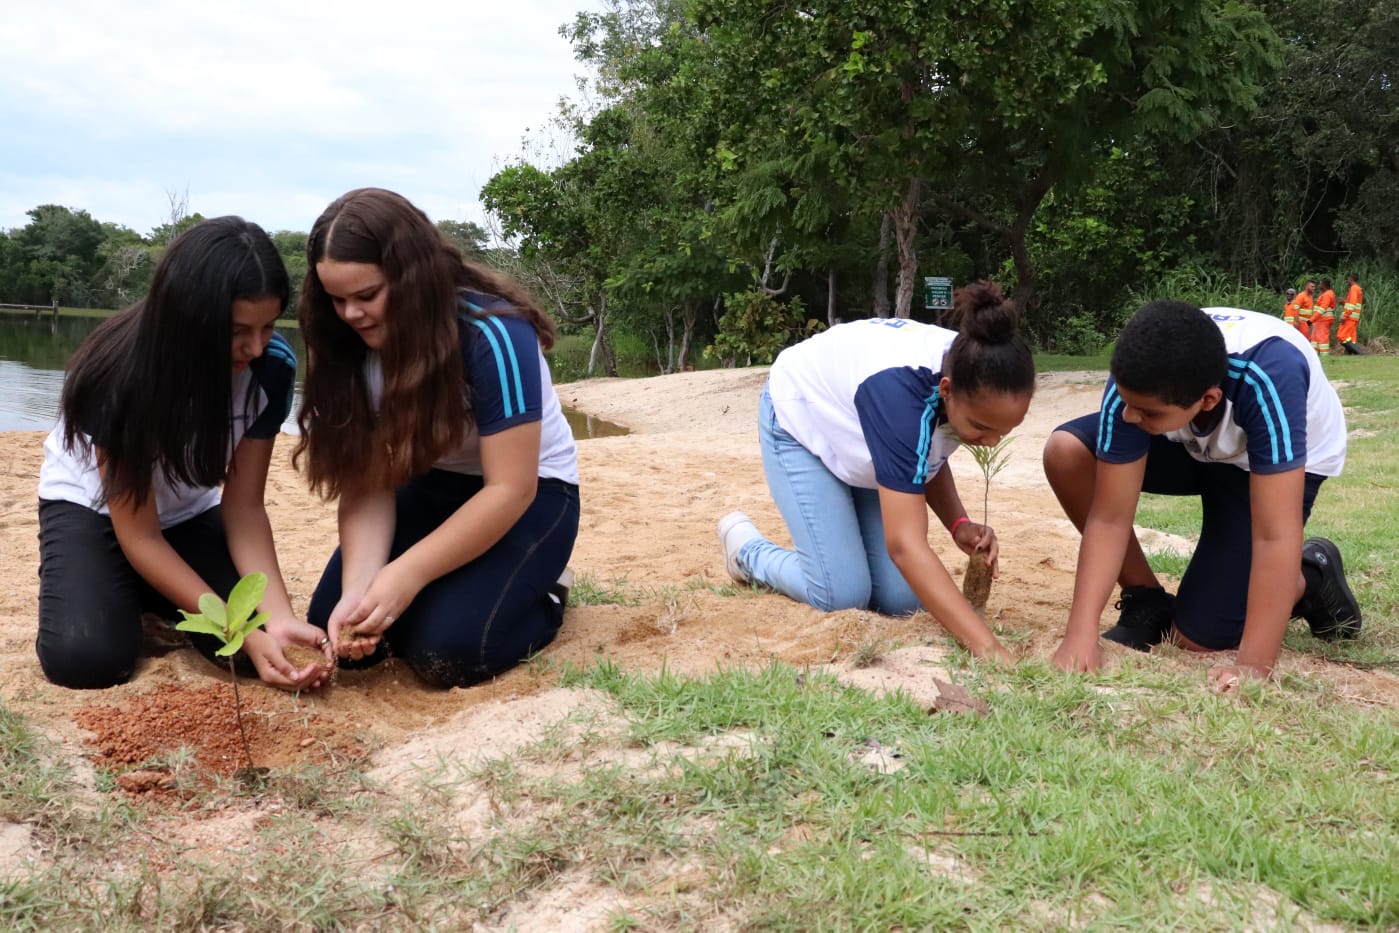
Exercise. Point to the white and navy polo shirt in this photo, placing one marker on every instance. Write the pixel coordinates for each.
(262, 396)
(863, 397)
(1280, 412)
(510, 385)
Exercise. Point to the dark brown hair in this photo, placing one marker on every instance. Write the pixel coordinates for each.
(989, 353)
(152, 387)
(424, 409)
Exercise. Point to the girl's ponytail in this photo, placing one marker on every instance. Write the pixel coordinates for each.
(989, 353)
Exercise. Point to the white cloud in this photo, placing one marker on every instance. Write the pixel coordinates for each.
(270, 109)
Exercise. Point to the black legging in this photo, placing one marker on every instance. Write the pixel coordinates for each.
(1212, 598)
(91, 598)
(486, 616)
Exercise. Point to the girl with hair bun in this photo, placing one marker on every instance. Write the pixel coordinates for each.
(856, 425)
(151, 492)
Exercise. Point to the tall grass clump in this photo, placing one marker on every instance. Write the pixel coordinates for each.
(1206, 288)
(1212, 288)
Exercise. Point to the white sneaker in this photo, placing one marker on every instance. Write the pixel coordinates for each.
(736, 530)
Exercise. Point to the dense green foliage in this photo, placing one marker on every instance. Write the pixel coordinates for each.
(1082, 154)
(66, 255)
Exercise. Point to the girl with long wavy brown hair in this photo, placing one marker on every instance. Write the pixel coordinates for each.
(430, 415)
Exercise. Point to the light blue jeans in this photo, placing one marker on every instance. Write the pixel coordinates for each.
(839, 561)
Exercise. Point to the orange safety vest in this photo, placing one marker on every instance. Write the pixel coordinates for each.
(1289, 311)
(1325, 306)
(1304, 306)
(1355, 302)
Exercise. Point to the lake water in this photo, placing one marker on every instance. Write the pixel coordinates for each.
(33, 352)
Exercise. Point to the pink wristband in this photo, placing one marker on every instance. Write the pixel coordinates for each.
(957, 524)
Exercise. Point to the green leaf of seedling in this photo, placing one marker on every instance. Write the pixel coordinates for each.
(242, 602)
(233, 645)
(212, 608)
(198, 623)
(250, 625)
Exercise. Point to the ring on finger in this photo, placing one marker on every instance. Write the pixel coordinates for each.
(325, 640)
(388, 620)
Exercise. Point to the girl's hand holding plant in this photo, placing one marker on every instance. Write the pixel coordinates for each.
(973, 538)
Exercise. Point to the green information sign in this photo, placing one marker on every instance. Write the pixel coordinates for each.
(937, 293)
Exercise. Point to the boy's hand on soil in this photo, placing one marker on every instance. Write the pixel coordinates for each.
(1078, 654)
(999, 656)
(973, 538)
(1228, 679)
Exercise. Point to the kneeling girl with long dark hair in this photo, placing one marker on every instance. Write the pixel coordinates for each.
(181, 393)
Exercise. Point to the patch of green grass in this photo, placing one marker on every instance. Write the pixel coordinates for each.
(724, 589)
(1112, 801)
(1063, 362)
(1177, 515)
(1170, 562)
(588, 590)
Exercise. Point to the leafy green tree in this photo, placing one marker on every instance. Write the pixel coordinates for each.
(470, 238)
(978, 110)
(291, 246)
(58, 253)
(128, 264)
(1311, 176)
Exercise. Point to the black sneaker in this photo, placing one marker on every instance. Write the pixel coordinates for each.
(1147, 613)
(1328, 604)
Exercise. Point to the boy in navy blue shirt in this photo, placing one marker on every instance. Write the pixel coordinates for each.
(1232, 406)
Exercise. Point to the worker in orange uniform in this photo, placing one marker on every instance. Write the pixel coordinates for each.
(1323, 313)
(1350, 314)
(1289, 308)
(1303, 320)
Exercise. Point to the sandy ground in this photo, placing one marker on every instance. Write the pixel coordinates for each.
(650, 503)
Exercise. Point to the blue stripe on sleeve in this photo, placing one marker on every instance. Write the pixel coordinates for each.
(514, 362)
(500, 365)
(1254, 370)
(1111, 402)
(279, 348)
(925, 437)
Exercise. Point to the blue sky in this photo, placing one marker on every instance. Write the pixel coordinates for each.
(271, 109)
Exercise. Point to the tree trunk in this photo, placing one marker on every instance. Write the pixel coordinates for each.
(1025, 272)
(689, 317)
(905, 217)
(881, 267)
(600, 351)
(832, 319)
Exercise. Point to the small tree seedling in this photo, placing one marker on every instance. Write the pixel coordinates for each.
(231, 624)
(976, 582)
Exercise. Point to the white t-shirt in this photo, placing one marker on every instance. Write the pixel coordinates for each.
(262, 396)
(863, 397)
